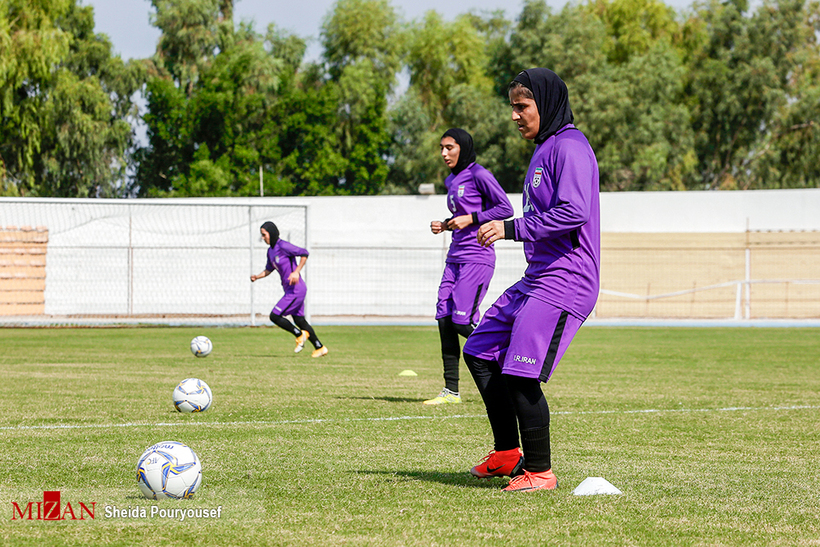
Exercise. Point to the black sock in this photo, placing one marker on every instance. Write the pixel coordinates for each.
(500, 409)
(450, 352)
(284, 324)
(533, 414)
(536, 446)
(305, 326)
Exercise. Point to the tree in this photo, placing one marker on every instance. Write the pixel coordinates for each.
(449, 87)
(210, 136)
(65, 102)
(636, 120)
(305, 116)
(193, 31)
(734, 89)
(788, 154)
(362, 46)
(633, 27)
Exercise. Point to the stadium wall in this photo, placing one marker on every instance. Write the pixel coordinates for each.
(751, 254)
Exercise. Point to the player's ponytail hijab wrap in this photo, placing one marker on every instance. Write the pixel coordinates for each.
(551, 98)
(466, 156)
(271, 228)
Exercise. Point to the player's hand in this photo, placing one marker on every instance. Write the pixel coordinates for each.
(253, 278)
(437, 226)
(293, 278)
(490, 233)
(460, 222)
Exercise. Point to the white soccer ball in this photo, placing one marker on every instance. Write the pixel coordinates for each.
(192, 395)
(201, 346)
(169, 469)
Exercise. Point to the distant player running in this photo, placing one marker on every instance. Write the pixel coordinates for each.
(282, 258)
(473, 197)
(523, 336)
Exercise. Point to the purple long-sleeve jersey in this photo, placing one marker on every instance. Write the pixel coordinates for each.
(561, 226)
(282, 259)
(474, 190)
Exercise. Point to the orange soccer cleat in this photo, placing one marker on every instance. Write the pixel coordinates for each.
(544, 480)
(300, 341)
(499, 464)
(321, 352)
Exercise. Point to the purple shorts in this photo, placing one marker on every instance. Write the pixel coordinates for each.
(461, 291)
(293, 302)
(527, 337)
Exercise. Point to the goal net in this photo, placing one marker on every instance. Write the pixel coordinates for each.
(146, 258)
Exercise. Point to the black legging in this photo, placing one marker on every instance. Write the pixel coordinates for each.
(304, 325)
(514, 403)
(296, 330)
(451, 349)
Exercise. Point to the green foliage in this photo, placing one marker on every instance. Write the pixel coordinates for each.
(65, 102)
(192, 33)
(450, 86)
(362, 45)
(208, 104)
(358, 30)
(633, 27)
(718, 96)
(636, 122)
(311, 157)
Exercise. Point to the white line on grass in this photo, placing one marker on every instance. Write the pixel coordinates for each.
(394, 418)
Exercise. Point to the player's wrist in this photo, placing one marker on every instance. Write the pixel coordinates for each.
(509, 229)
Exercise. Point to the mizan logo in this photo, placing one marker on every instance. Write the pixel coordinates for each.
(51, 509)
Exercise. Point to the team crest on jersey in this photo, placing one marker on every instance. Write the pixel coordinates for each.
(536, 178)
(461, 191)
(276, 259)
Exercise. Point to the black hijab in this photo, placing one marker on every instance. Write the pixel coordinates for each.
(551, 98)
(465, 142)
(271, 228)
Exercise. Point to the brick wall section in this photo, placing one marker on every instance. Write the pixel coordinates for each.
(23, 270)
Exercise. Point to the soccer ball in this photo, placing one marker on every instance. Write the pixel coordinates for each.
(169, 469)
(201, 346)
(192, 395)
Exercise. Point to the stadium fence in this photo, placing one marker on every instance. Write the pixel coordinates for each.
(188, 261)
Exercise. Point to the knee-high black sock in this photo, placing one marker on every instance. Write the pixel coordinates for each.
(284, 324)
(302, 323)
(533, 414)
(500, 409)
(450, 352)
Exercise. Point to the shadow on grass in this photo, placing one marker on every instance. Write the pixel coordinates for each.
(388, 399)
(463, 479)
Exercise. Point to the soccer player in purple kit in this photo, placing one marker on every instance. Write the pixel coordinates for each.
(473, 197)
(523, 336)
(282, 259)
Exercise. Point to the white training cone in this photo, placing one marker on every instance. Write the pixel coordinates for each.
(591, 486)
(407, 373)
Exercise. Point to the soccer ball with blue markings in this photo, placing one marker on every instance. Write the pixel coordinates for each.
(201, 346)
(192, 395)
(169, 469)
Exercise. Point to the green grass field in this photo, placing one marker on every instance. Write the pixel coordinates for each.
(713, 435)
